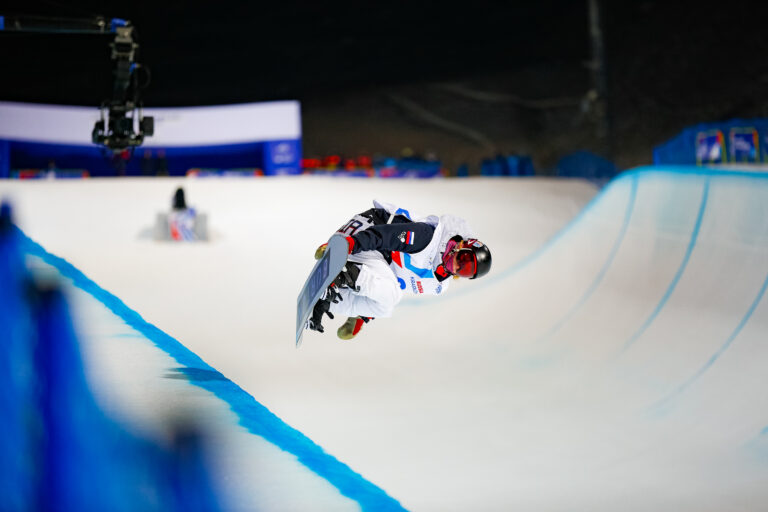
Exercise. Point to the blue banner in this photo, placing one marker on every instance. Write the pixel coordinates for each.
(733, 141)
(173, 161)
(282, 157)
(744, 144)
(710, 147)
(5, 158)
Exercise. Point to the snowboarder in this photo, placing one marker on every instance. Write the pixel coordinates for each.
(392, 252)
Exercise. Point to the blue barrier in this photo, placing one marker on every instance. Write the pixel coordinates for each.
(733, 141)
(16, 476)
(510, 165)
(584, 164)
(76, 447)
(170, 161)
(274, 157)
(58, 450)
(5, 159)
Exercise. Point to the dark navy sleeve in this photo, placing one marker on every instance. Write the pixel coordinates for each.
(409, 237)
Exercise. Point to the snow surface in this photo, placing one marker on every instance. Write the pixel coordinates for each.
(618, 363)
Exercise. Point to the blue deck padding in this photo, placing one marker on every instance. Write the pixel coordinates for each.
(58, 450)
(78, 444)
(16, 468)
(98, 161)
(5, 159)
(584, 164)
(509, 165)
(87, 461)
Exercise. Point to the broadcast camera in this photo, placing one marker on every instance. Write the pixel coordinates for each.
(122, 124)
(120, 116)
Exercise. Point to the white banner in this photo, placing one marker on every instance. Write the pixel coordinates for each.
(185, 126)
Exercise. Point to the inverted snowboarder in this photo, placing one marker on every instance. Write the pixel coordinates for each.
(391, 253)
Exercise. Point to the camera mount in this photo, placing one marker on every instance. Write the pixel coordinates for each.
(120, 115)
(122, 124)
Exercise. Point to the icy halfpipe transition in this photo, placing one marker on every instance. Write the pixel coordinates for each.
(620, 366)
(634, 350)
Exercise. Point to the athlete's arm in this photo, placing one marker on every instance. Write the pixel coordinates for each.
(409, 237)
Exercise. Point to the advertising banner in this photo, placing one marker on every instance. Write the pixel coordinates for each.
(282, 157)
(710, 147)
(744, 145)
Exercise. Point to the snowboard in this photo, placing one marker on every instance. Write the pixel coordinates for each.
(322, 275)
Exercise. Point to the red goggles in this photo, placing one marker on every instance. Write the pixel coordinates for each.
(466, 263)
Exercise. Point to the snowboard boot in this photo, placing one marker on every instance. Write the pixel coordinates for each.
(352, 326)
(347, 278)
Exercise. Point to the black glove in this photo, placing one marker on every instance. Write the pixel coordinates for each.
(322, 306)
(347, 278)
(315, 321)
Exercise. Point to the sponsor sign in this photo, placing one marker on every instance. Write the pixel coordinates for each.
(710, 147)
(282, 157)
(744, 145)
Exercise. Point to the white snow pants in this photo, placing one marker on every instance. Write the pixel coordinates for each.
(379, 290)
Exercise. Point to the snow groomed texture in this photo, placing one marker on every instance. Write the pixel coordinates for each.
(629, 352)
(648, 344)
(618, 363)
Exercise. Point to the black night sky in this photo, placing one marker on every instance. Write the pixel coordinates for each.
(669, 64)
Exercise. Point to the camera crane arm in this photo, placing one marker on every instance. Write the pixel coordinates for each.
(115, 129)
